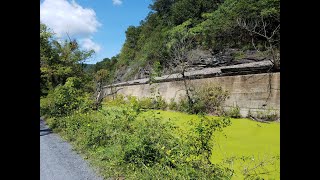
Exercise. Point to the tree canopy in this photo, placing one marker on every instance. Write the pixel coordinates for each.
(59, 60)
(213, 24)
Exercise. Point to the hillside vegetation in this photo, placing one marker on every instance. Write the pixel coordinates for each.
(212, 27)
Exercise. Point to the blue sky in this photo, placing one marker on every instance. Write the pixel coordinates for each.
(96, 24)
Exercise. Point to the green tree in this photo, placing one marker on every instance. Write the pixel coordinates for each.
(47, 57)
(183, 10)
(101, 76)
(64, 99)
(65, 86)
(224, 28)
(58, 61)
(214, 24)
(181, 42)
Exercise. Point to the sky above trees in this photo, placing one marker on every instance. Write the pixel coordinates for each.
(98, 25)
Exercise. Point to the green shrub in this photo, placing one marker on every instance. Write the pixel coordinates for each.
(124, 143)
(160, 103)
(199, 142)
(183, 105)
(63, 100)
(116, 100)
(173, 105)
(134, 103)
(147, 145)
(269, 115)
(205, 99)
(233, 112)
(146, 103)
(52, 122)
(209, 98)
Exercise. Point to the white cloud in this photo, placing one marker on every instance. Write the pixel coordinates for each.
(88, 44)
(117, 2)
(63, 16)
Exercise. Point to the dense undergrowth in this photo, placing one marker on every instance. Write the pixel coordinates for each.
(123, 143)
(125, 138)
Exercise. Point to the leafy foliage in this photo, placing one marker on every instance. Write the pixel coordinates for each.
(233, 112)
(213, 25)
(123, 142)
(269, 115)
(65, 99)
(64, 85)
(207, 98)
(59, 61)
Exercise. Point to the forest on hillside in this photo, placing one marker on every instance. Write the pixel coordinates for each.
(176, 34)
(233, 28)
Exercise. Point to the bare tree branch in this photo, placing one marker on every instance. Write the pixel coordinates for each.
(274, 31)
(264, 27)
(251, 27)
(244, 25)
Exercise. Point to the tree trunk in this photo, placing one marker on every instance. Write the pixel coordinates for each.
(190, 103)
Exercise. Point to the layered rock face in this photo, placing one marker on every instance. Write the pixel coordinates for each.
(197, 59)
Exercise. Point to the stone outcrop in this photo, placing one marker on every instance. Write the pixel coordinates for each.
(201, 60)
(239, 69)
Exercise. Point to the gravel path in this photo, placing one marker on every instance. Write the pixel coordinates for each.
(58, 161)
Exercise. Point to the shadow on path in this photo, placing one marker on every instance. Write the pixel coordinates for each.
(44, 130)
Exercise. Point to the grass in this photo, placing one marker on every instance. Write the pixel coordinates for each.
(247, 146)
